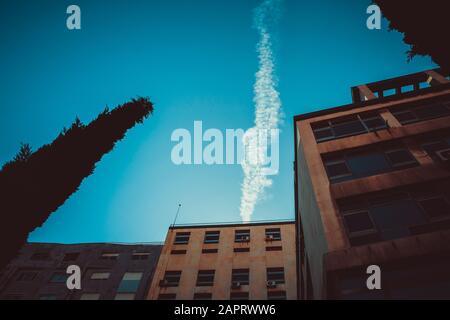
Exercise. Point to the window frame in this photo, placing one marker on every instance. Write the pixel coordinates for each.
(241, 235)
(125, 284)
(236, 273)
(273, 274)
(182, 238)
(329, 125)
(214, 234)
(274, 232)
(356, 234)
(412, 162)
(171, 278)
(413, 110)
(205, 278)
(420, 199)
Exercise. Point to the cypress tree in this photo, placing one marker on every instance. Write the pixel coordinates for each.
(35, 184)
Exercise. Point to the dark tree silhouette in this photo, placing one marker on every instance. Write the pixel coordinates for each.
(424, 25)
(33, 185)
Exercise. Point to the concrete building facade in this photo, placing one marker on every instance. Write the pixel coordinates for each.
(372, 187)
(108, 271)
(227, 261)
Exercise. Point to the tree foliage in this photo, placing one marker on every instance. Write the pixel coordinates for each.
(35, 184)
(424, 25)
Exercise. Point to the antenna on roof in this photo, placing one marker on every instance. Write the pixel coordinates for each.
(176, 216)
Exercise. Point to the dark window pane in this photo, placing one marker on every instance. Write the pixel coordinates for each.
(405, 117)
(348, 128)
(337, 169)
(433, 146)
(357, 222)
(323, 134)
(240, 275)
(435, 207)
(366, 164)
(205, 278)
(375, 123)
(400, 157)
(212, 237)
(242, 236)
(202, 296)
(171, 279)
(275, 274)
(273, 234)
(432, 111)
(182, 238)
(394, 219)
(320, 125)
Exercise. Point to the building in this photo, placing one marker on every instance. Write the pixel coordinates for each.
(109, 271)
(372, 187)
(227, 261)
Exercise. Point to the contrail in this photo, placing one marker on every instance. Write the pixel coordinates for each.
(267, 110)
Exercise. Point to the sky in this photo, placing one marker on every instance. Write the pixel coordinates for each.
(196, 60)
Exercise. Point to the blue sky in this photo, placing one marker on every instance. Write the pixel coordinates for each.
(196, 60)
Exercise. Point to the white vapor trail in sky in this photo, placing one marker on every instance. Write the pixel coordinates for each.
(267, 110)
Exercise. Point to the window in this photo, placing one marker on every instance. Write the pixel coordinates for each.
(276, 295)
(359, 222)
(130, 282)
(337, 169)
(396, 214)
(40, 256)
(182, 238)
(72, 256)
(59, 277)
(26, 275)
(276, 275)
(373, 121)
(411, 114)
(167, 296)
(240, 276)
(202, 296)
(205, 278)
(209, 250)
(366, 162)
(140, 256)
(347, 126)
(90, 296)
(241, 249)
(171, 279)
(47, 297)
(433, 145)
(273, 234)
(435, 207)
(212, 237)
(242, 236)
(238, 295)
(178, 252)
(124, 296)
(109, 256)
(400, 158)
(274, 248)
(100, 275)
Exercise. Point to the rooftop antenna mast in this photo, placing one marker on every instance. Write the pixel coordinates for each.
(176, 216)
